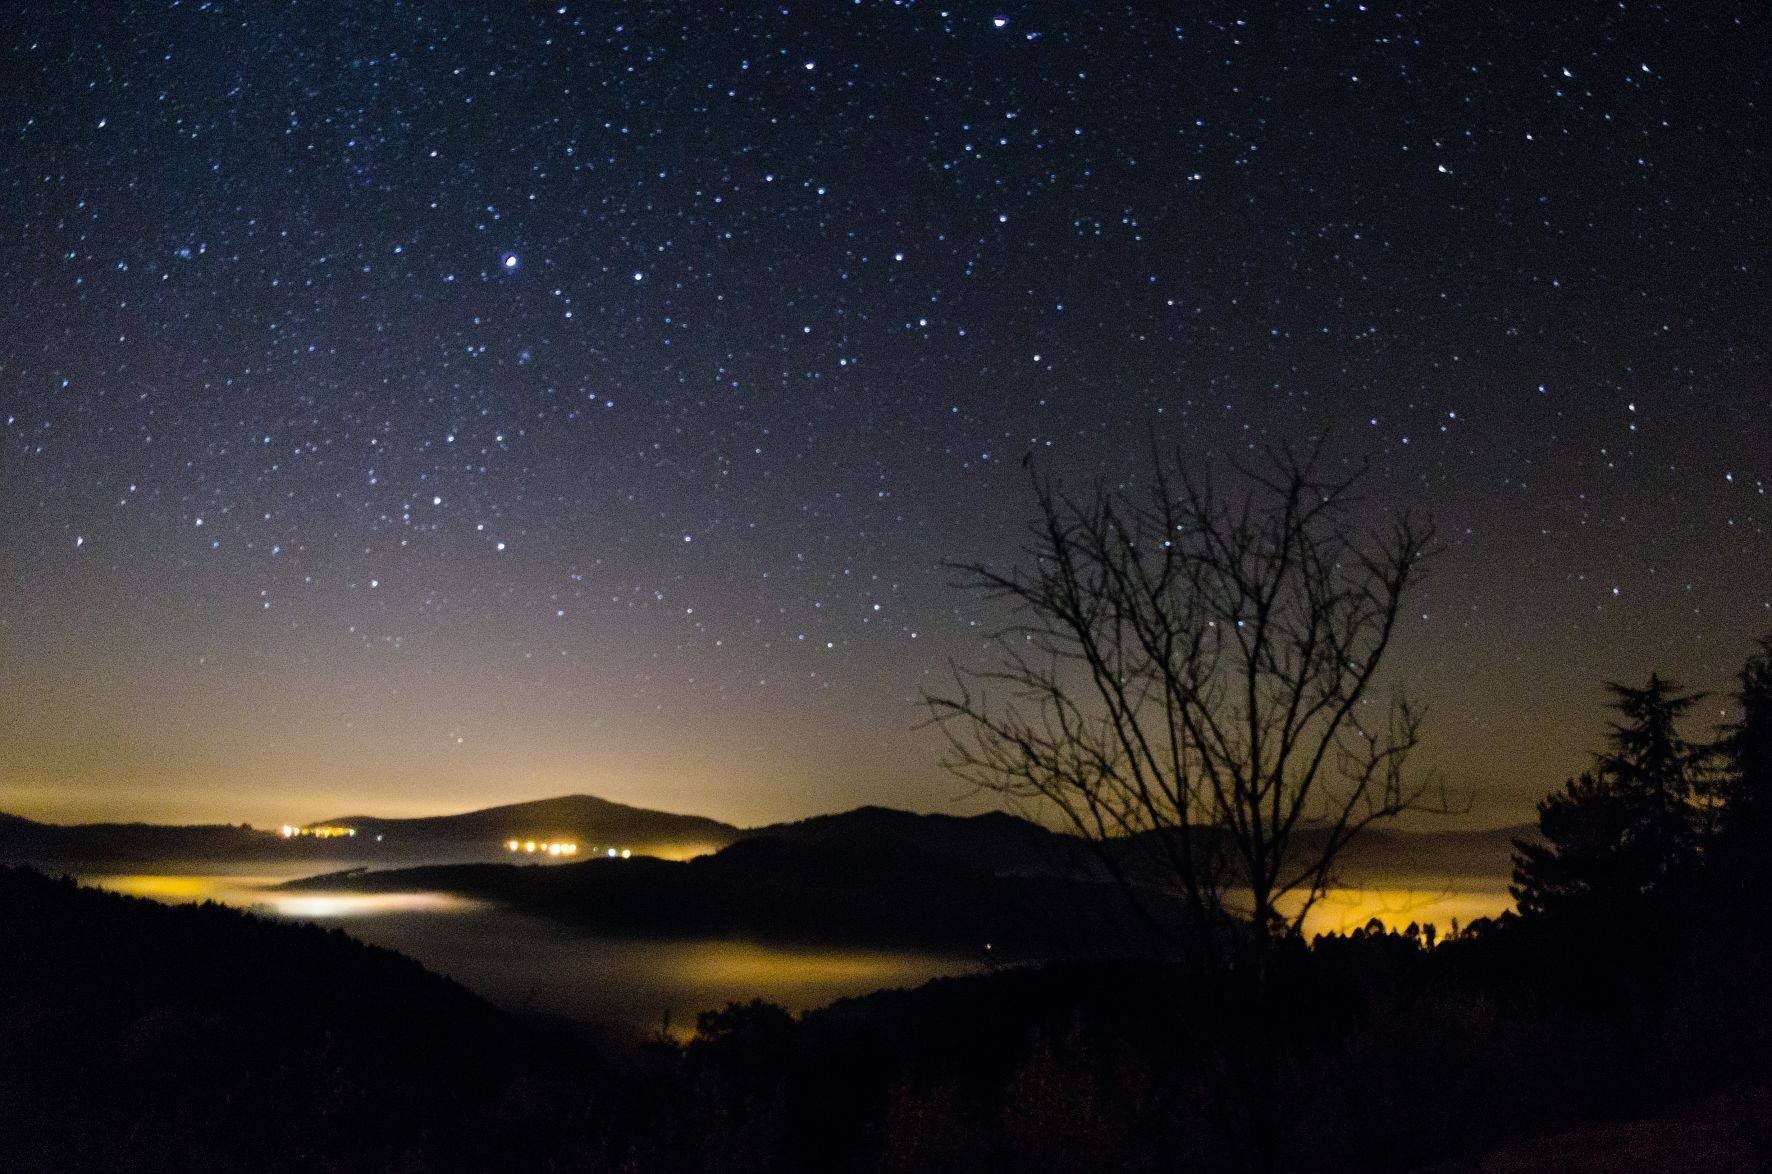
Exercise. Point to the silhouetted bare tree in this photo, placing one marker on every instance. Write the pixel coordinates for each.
(1187, 676)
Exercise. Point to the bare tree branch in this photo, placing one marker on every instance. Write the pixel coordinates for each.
(1187, 679)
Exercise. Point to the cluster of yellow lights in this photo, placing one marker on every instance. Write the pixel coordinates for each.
(546, 847)
(559, 848)
(321, 832)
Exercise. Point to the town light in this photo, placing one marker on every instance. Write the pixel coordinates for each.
(554, 848)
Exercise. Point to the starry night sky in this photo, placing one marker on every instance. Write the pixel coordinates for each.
(412, 406)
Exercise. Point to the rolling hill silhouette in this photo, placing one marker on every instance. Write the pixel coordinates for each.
(583, 819)
(26, 840)
(995, 841)
(994, 845)
(146, 1037)
(845, 882)
(473, 835)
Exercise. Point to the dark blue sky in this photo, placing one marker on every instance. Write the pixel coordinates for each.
(408, 406)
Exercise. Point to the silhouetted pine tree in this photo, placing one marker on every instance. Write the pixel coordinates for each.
(1746, 791)
(1626, 834)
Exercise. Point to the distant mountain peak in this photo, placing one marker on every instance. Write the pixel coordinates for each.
(556, 805)
(587, 822)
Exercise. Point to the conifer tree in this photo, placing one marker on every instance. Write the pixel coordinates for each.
(1626, 834)
(1746, 791)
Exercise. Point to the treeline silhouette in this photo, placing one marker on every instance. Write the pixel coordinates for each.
(1631, 982)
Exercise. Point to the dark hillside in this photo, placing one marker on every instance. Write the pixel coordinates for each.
(996, 841)
(26, 840)
(854, 887)
(585, 819)
(140, 1036)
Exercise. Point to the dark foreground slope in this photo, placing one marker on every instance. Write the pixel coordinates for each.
(140, 1036)
(855, 888)
(137, 1036)
(1382, 1054)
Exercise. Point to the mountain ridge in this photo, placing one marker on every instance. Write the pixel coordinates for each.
(1000, 842)
(586, 820)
